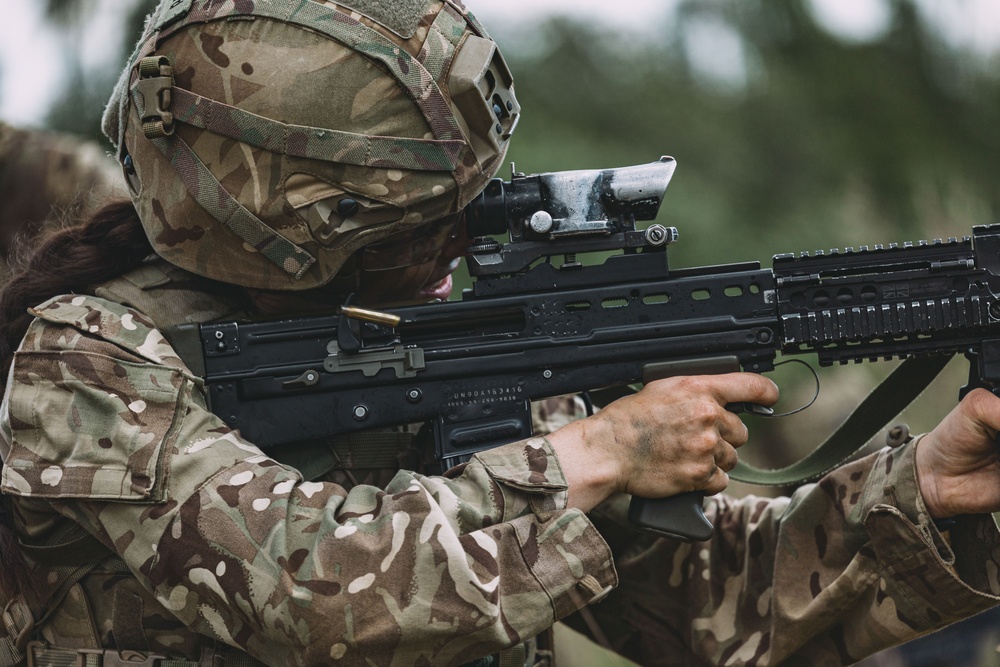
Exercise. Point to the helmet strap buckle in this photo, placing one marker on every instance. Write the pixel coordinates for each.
(155, 85)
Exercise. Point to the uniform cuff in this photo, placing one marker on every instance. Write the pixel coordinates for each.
(530, 465)
(936, 581)
(566, 554)
(528, 476)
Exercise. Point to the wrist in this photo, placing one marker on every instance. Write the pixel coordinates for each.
(927, 481)
(592, 472)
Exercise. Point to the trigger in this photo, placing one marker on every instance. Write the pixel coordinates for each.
(751, 408)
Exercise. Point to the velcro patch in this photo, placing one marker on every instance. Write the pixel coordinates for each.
(400, 16)
(170, 11)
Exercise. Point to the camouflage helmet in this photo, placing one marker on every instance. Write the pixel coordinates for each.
(267, 141)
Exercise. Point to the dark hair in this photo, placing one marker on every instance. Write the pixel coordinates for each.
(62, 261)
(67, 260)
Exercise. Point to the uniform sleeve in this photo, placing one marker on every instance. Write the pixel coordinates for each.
(842, 569)
(429, 570)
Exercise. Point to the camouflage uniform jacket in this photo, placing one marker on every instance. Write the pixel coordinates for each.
(103, 427)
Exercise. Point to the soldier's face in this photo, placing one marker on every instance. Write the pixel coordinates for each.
(423, 267)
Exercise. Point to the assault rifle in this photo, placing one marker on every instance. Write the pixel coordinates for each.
(531, 327)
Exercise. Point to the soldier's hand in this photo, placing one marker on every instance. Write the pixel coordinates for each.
(675, 435)
(958, 463)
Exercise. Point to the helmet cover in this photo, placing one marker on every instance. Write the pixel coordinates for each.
(266, 142)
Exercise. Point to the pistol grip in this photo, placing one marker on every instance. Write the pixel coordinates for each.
(680, 517)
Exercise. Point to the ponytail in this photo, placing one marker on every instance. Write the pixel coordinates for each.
(68, 260)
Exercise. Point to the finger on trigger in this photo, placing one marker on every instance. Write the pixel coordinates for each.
(746, 388)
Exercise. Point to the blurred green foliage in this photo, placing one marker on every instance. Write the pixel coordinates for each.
(826, 144)
(79, 108)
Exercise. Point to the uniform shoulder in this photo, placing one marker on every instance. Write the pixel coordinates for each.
(170, 295)
(92, 395)
(107, 320)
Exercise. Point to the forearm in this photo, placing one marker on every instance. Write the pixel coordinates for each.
(846, 567)
(429, 568)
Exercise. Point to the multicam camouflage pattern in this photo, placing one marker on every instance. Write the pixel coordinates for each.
(49, 179)
(839, 570)
(228, 544)
(283, 113)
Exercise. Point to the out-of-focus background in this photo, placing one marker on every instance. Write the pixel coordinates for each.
(797, 125)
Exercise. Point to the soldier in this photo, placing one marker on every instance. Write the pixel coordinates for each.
(49, 178)
(279, 156)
